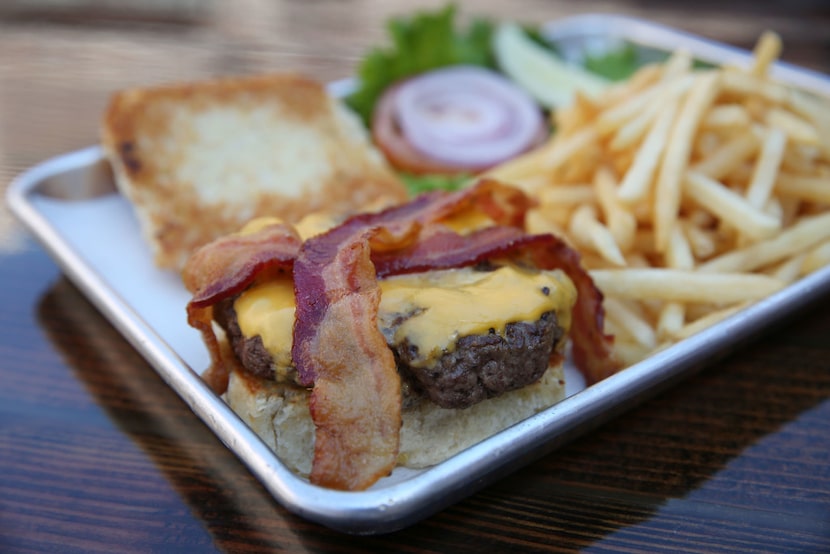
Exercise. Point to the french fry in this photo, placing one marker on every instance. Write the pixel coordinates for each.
(709, 320)
(536, 222)
(790, 209)
(809, 108)
(592, 260)
(789, 270)
(814, 189)
(642, 79)
(636, 259)
(637, 181)
(589, 232)
(643, 242)
(707, 142)
(767, 50)
(568, 148)
(546, 159)
(671, 320)
(580, 168)
(620, 221)
(701, 218)
(816, 258)
(583, 109)
(741, 84)
(613, 118)
(806, 233)
(803, 158)
(730, 207)
(727, 116)
(676, 158)
(796, 129)
(630, 324)
(679, 253)
(633, 130)
(568, 195)
(679, 63)
(775, 208)
(676, 285)
(678, 256)
(766, 168)
(558, 214)
(730, 156)
(703, 242)
(523, 170)
(629, 352)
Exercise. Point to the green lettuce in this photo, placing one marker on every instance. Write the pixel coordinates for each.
(615, 65)
(419, 184)
(424, 41)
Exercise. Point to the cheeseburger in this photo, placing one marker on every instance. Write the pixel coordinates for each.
(397, 337)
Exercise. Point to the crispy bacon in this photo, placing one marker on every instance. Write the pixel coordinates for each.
(337, 346)
(446, 249)
(225, 267)
(592, 349)
(356, 400)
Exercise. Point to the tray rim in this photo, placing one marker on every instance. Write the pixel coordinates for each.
(664, 37)
(398, 505)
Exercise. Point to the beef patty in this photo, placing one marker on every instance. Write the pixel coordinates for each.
(478, 367)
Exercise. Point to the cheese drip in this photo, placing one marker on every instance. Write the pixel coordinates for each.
(441, 307)
(431, 310)
(309, 226)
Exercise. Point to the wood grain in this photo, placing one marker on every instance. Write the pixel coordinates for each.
(97, 454)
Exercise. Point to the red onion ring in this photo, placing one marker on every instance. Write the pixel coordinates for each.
(466, 117)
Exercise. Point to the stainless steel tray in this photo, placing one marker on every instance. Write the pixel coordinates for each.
(72, 207)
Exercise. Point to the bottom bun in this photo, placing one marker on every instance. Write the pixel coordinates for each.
(429, 435)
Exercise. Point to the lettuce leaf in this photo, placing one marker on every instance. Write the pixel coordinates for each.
(616, 65)
(424, 41)
(418, 184)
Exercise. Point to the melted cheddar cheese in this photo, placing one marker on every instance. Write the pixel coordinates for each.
(430, 310)
(309, 226)
(444, 306)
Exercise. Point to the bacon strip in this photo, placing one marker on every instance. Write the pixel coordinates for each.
(226, 267)
(592, 349)
(356, 400)
(447, 249)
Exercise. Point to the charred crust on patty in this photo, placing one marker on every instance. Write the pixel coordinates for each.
(485, 365)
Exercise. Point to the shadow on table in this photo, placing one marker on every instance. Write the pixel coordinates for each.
(618, 476)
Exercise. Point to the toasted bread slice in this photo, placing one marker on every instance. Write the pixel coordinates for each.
(199, 160)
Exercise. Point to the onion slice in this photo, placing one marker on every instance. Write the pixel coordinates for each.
(459, 118)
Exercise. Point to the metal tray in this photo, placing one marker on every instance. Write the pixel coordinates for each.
(70, 204)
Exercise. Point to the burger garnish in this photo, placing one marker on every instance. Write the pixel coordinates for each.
(339, 349)
(461, 119)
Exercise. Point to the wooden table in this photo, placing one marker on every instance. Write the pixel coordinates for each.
(97, 454)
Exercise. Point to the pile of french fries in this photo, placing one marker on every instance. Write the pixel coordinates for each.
(690, 193)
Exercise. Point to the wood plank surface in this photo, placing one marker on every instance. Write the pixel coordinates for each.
(98, 454)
